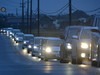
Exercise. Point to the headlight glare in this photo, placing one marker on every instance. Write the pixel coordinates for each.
(29, 46)
(35, 47)
(84, 45)
(83, 55)
(24, 42)
(48, 50)
(69, 46)
(17, 39)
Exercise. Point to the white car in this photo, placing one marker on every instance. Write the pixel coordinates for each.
(26, 39)
(35, 46)
(14, 32)
(52, 49)
(95, 48)
(42, 47)
(76, 44)
(9, 31)
(19, 37)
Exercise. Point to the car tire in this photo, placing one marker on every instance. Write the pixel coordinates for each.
(61, 60)
(73, 61)
(46, 59)
(93, 63)
(22, 47)
(42, 58)
(28, 51)
(79, 60)
(16, 42)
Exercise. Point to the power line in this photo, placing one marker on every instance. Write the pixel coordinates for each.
(63, 9)
(55, 11)
(87, 11)
(93, 10)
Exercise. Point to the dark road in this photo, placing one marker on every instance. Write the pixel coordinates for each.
(13, 63)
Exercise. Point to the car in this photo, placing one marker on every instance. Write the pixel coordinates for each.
(9, 29)
(95, 48)
(14, 31)
(75, 44)
(19, 37)
(42, 47)
(35, 46)
(52, 49)
(4, 30)
(26, 39)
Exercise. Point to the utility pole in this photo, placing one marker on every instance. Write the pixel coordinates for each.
(38, 19)
(70, 12)
(17, 16)
(23, 28)
(27, 14)
(30, 16)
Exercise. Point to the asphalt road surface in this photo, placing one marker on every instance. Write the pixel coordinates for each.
(16, 61)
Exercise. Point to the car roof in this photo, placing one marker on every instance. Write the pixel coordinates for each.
(19, 33)
(39, 37)
(50, 38)
(28, 35)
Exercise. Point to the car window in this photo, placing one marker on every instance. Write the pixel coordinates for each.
(28, 37)
(44, 41)
(20, 35)
(53, 43)
(86, 34)
(36, 41)
(73, 31)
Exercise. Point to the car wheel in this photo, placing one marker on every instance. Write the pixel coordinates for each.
(41, 58)
(79, 60)
(73, 61)
(46, 59)
(61, 60)
(28, 51)
(94, 63)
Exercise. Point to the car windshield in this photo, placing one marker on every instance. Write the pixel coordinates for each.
(28, 37)
(16, 32)
(86, 34)
(20, 35)
(73, 31)
(44, 41)
(37, 40)
(53, 42)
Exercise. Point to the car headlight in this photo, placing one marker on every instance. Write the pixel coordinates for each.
(84, 45)
(10, 32)
(83, 55)
(48, 50)
(35, 47)
(29, 46)
(69, 46)
(17, 39)
(4, 30)
(24, 42)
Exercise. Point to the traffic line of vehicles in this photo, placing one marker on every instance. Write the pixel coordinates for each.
(76, 44)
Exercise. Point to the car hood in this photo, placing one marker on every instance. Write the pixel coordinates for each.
(55, 48)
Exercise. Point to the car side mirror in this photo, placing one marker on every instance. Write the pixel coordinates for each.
(75, 37)
(62, 37)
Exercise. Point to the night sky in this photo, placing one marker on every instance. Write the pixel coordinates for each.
(49, 6)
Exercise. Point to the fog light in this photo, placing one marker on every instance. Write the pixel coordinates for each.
(83, 55)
